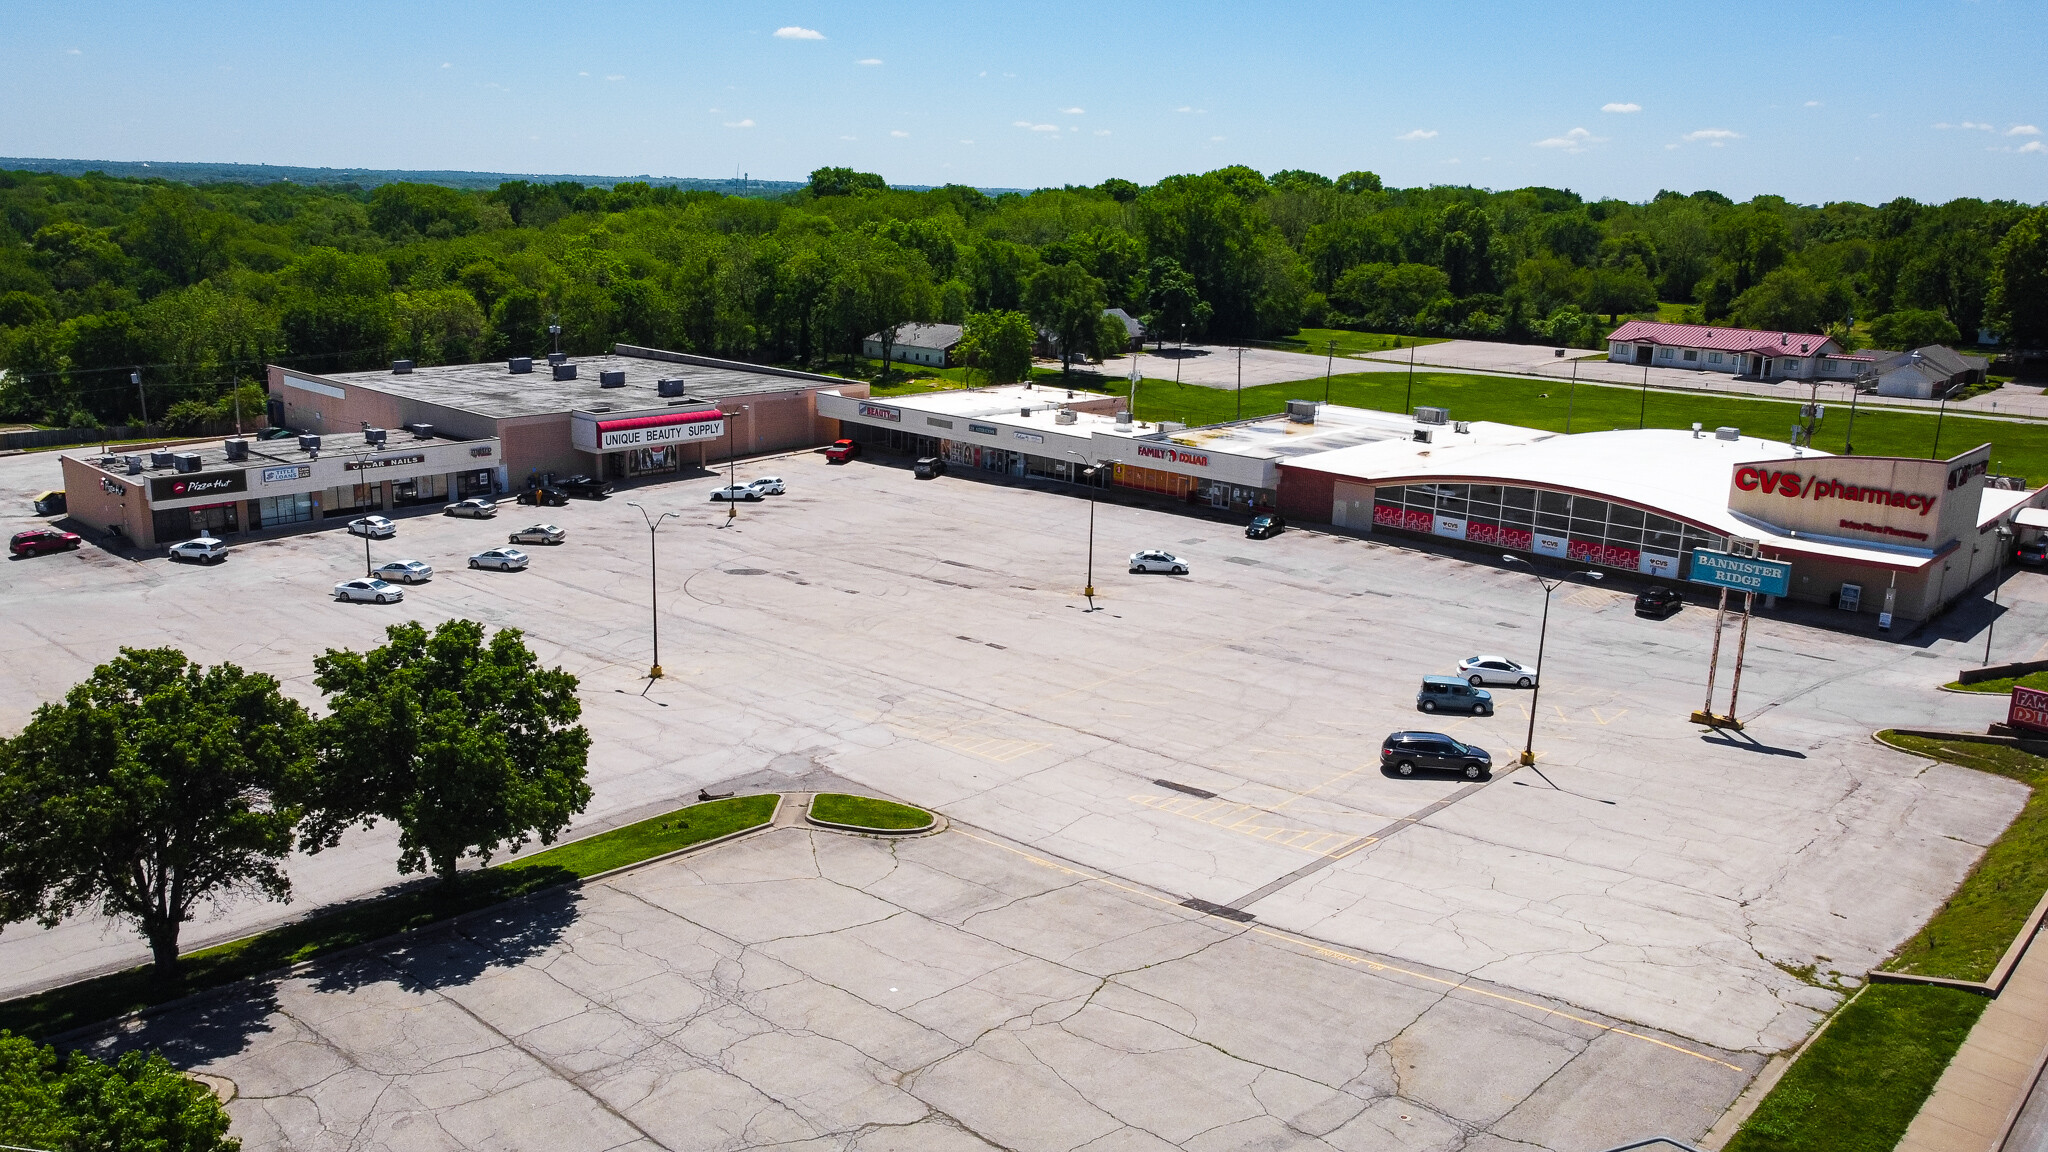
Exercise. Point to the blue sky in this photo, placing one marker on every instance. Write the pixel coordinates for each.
(1816, 101)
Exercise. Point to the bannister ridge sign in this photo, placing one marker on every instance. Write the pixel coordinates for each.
(2029, 709)
(196, 484)
(1740, 573)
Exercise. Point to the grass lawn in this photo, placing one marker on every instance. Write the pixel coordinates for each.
(2003, 685)
(1316, 341)
(2017, 448)
(1860, 1084)
(866, 812)
(324, 933)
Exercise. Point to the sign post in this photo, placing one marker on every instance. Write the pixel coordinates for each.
(1752, 577)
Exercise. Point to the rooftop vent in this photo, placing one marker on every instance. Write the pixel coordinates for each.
(558, 358)
(1024, 411)
(1301, 411)
(1432, 415)
(159, 459)
(421, 431)
(519, 365)
(673, 386)
(401, 367)
(1464, 427)
(612, 378)
(1730, 434)
(1066, 416)
(133, 464)
(599, 408)
(565, 371)
(189, 461)
(236, 449)
(373, 436)
(309, 443)
(1422, 436)
(1124, 418)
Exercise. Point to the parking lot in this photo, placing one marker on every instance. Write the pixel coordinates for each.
(928, 640)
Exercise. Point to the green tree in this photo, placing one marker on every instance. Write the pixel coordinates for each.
(154, 785)
(138, 1102)
(1173, 303)
(401, 210)
(1392, 297)
(1110, 337)
(1066, 301)
(845, 182)
(1791, 300)
(1356, 182)
(998, 343)
(1618, 290)
(467, 746)
(2017, 305)
(1911, 328)
(439, 325)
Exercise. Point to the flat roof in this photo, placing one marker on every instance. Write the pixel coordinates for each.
(493, 390)
(1280, 437)
(284, 450)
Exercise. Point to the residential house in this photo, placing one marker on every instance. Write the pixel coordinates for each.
(928, 344)
(1925, 373)
(1738, 351)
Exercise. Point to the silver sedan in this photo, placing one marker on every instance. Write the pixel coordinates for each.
(366, 589)
(503, 559)
(404, 571)
(539, 534)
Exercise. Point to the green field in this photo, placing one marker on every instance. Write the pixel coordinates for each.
(325, 933)
(1316, 341)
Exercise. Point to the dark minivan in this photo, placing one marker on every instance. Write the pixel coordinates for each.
(1404, 752)
(1450, 694)
(1265, 524)
(928, 467)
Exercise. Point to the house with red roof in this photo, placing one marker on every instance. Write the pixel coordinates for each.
(1745, 352)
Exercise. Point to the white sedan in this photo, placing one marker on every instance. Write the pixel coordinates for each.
(375, 527)
(404, 571)
(767, 485)
(1156, 561)
(539, 534)
(1496, 670)
(474, 509)
(367, 589)
(503, 559)
(737, 492)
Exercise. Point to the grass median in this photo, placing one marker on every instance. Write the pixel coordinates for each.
(867, 812)
(1860, 1084)
(331, 931)
(2003, 685)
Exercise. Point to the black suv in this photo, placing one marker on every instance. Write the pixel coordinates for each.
(1265, 524)
(583, 487)
(542, 494)
(2033, 554)
(1659, 602)
(1404, 752)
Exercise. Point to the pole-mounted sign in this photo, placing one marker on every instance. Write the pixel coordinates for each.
(1741, 573)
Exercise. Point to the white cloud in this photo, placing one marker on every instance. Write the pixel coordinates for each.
(1417, 134)
(898, 133)
(445, 64)
(967, 141)
(849, 137)
(1215, 139)
(1036, 127)
(739, 123)
(795, 33)
(1073, 111)
(1621, 107)
(1715, 137)
(1102, 131)
(2034, 146)
(1967, 125)
(1575, 140)
(73, 52)
(870, 62)
(615, 77)
(586, 74)
(1813, 103)
(2023, 130)
(1182, 108)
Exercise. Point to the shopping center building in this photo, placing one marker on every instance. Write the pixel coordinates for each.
(635, 412)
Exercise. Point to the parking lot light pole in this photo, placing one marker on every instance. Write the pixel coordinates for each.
(1091, 472)
(1542, 634)
(654, 585)
(732, 472)
(2004, 537)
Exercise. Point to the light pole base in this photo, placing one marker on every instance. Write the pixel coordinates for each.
(1526, 759)
(654, 673)
(1713, 721)
(1089, 592)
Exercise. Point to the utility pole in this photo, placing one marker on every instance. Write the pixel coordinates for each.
(1643, 410)
(1408, 403)
(1240, 381)
(135, 378)
(1571, 395)
(1329, 363)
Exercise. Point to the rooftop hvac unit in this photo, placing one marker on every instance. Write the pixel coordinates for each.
(1024, 411)
(236, 449)
(1462, 426)
(373, 436)
(1065, 416)
(612, 378)
(519, 365)
(133, 464)
(1432, 415)
(401, 367)
(673, 386)
(159, 459)
(1124, 418)
(1422, 436)
(422, 431)
(565, 371)
(558, 358)
(1727, 433)
(189, 461)
(309, 443)
(1301, 411)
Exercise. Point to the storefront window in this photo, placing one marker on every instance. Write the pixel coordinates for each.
(276, 511)
(1582, 529)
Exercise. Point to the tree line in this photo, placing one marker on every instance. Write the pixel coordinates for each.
(202, 285)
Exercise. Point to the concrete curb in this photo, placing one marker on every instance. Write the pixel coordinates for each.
(933, 826)
(1774, 1070)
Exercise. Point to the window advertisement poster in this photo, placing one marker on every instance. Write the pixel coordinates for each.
(1450, 526)
(1544, 544)
(1658, 564)
(2029, 709)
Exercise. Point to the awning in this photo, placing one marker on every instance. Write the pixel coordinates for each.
(604, 426)
(2032, 518)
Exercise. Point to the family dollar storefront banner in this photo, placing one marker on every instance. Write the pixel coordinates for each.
(2029, 709)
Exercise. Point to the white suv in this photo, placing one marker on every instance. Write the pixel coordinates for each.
(767, 485)
(204, 550)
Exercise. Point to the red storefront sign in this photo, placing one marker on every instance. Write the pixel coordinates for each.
(1409, 518)
(2029, 709)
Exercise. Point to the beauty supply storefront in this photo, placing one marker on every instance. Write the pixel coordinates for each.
(648, 443)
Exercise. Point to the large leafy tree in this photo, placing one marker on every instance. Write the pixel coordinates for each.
(468, 745)
(1910, 328)
(2018, 303)
(139, 1101)
(153, 785)
(998, 343)
(1065, 300)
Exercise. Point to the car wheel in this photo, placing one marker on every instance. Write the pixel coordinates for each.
(383, 599)
(1476, 679)
(338, 596)
(1472, 772)
(1429, 705)
(1484, 710)
(1136, 571)
(1524, 682)
(1405, 768)
(1180, 571)
(474, 564)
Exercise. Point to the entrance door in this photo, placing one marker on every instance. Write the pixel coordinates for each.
(1642, 354)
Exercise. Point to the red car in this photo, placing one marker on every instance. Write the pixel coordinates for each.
(37, 541)
(841, 451)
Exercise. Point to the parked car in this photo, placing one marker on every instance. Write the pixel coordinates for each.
(1451, 694)
(50, 503)
(38, 541)
(928, 467)
(404, 572)
(1659, 602)
(2033, 554)
(736, 492)
(767, 485)
(584, 487)
(542, 494)
(368, 589)
(375, 527)
(503, 559)
(841, 451)
(1156, 561)
(203, 550)
(474, 509)
(539, 534)
(1265, 524)
(1405, 752)
(1496, 670)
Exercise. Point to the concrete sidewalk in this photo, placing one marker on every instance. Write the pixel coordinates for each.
(1980, 1096)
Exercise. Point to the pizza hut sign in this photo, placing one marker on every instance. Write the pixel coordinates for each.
(2029, 709)
(197, 484)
